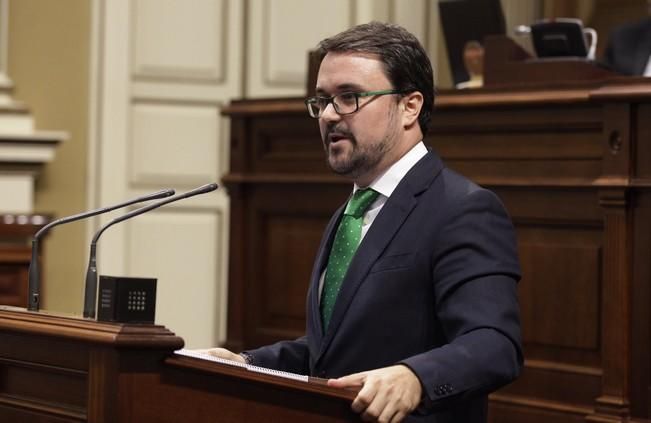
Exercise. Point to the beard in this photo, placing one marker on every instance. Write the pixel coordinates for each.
(357, 159)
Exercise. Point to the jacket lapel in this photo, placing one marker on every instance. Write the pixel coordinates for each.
(386, 224)
(315, 325)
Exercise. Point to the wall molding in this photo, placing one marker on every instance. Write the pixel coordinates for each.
(153, 72)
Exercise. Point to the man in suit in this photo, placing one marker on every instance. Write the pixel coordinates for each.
(423, 316)
(629, 47)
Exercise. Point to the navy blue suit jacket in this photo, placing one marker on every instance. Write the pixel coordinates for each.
(432, 286)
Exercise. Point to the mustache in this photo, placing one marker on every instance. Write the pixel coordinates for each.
(342, 132)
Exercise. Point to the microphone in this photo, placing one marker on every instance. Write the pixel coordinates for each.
(34, 277)
(90, 292)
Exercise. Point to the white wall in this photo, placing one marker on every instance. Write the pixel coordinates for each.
(280, 32)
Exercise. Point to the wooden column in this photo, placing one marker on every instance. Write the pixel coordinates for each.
(614, 405)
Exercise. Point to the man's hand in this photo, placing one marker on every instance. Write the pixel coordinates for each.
(223, 353)
(386, 395)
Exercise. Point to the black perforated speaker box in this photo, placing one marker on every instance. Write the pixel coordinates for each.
(126, 300)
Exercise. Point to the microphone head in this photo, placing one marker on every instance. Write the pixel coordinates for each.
(205, 188)
(165, 193)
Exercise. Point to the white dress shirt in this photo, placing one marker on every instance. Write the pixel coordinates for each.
(387, 182)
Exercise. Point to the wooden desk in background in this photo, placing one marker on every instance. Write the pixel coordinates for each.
(16, 232)
(571, 160)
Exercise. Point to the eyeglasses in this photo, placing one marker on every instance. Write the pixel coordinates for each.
(344, 103)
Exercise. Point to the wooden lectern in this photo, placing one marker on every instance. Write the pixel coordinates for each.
(56, 369)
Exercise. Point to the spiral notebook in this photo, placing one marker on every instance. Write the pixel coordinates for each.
(249, 367)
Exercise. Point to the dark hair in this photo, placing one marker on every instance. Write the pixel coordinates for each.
(405, 61)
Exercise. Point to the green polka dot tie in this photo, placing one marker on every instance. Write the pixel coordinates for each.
(349, 233)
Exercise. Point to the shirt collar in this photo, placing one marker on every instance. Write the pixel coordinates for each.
(389, 180)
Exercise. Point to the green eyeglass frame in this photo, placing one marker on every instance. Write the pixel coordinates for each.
(344, 103)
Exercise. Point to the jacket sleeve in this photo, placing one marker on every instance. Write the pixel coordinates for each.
(288, 356)
(475, 272)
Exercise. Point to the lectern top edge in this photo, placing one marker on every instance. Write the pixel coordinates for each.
(119, 334)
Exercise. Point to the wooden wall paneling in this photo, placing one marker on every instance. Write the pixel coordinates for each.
(550, 253)
(542, 158)
(286, 225)
(520, 144)
(277, 163)
(238, 146)
(614, 400)
(532, 412)
(642, 153)
(634, 136)
(617, 145)
(237, 264)
(559, 238)
(556, 208)
(640, 378)
(615, 396)
(281, 146)
(640, 310)
(238, 260)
